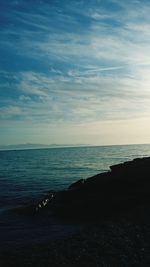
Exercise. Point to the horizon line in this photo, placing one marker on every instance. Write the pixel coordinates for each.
(50, 146)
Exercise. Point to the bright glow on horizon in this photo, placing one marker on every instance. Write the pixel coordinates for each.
(76, 74)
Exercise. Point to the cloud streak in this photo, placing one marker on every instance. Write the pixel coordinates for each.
(65, 64)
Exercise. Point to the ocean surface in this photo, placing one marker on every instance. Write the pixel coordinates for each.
(26, 175)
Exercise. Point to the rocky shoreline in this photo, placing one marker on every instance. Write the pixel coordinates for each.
(114, 208)
(123, 188)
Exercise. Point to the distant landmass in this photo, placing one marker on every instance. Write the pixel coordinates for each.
(37, 146)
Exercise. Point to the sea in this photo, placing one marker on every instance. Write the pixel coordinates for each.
(28, 175)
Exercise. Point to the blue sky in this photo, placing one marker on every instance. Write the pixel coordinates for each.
(75, 71)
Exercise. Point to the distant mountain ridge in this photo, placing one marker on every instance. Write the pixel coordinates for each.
(37, 146)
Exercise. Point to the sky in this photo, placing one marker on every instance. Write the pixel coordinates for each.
(74, 72)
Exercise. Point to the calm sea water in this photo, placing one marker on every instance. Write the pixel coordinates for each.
(27, 174)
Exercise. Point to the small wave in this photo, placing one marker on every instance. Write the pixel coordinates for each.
(36, 206)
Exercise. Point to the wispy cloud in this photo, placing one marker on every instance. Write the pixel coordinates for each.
(68, 64)
(94, 98)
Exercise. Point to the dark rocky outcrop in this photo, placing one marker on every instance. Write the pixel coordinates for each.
(124, 187)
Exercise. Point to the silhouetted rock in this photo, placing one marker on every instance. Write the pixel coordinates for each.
(125, 186)
(77, 184)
